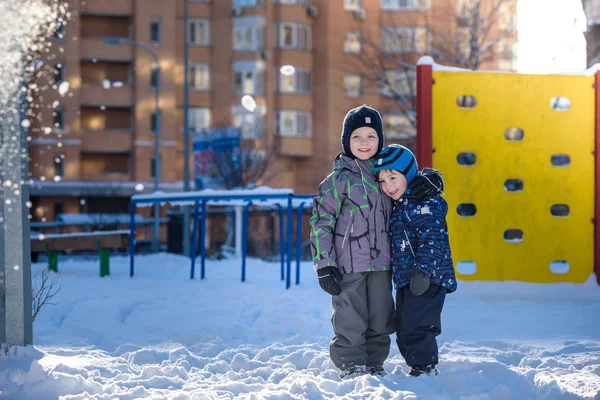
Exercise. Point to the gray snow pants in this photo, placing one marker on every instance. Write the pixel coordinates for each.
(363, 320)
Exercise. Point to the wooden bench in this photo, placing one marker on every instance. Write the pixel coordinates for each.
(101, 240)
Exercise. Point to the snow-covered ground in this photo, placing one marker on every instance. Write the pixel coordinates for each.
(162, 336)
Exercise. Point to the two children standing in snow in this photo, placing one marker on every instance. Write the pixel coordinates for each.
(351, 226)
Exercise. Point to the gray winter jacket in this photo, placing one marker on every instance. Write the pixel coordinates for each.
(350, 219)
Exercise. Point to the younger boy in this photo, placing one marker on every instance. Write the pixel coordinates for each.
(351, 247)
(421, 260)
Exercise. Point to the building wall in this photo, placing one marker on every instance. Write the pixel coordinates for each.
(107, 133)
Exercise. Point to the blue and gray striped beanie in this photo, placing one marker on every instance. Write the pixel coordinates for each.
(398, 158)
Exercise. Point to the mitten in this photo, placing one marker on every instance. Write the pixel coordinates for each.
(423, 187)
(328, 280)
(419, 282)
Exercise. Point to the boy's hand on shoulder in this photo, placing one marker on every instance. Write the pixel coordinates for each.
(423, 187)
(419, 282)
(328, 280)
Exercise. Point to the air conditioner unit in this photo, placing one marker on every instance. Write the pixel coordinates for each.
(236, 11)
(265, 55)
(312, 11)
(360, 14)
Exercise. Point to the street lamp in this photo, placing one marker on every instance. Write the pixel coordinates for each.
(152, 51)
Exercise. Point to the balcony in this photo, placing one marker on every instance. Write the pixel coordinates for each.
(295, 146)
(114, 96)
(110, 141)
(98, 166)
(94, 48)
(107, 7)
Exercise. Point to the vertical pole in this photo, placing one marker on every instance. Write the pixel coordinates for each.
(597, 183)
(132, 206)
(157, 163)
(194, 241)
(53, 260)
(424, 116)
(245, 239)
(298, 241)
(289, 243)
(281, 241)
(238, 232)
(186, 128)
(16, 259)
(203, 240)
(104, 262)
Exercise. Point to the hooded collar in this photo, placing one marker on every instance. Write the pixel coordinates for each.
(354, 165)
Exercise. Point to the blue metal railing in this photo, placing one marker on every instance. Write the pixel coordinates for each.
(200, 201)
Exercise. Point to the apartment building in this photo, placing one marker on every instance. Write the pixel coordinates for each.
(591, 9)
(94, 141)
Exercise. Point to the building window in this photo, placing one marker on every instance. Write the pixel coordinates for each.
(59, 208)
(198, 118)
(251, 124)
(294, 35)
(298, 82)
(248, 78)
(353, 43)
(352, 85)
(399, 83)
(198, 32)
(59, 165)
(248, 34)
(507, 17)
(154, 121)
(398, 126)
(59, 118)
(352, 5)
(155, 77)
(507, 51)
(60, 32)
(199, 76)
(155, 32)
(402, 5)
(294, 123)
(245, 3)
(59, 73)
(294, 2)
(405, 39)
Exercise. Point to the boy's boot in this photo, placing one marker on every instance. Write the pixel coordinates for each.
(353, 372)
(430, 370)
(376, 370)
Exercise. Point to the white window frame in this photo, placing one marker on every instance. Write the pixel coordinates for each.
(352, 47)
(256, 32)
(401, 85)
(251, 124)
(198, 23)
(199, 116)
(404, 39)
(405, 5)
(298, 31)
(195, 68)
(507, 55)
(352, 90)
(300, 81)
(295, 117)
(353, 5)
(395, 121)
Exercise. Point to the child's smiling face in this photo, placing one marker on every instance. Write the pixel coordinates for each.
(393, 183)
(364, 143)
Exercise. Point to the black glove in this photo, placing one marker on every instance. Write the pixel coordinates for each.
(328, 280)
(419, 282)
(425, 186)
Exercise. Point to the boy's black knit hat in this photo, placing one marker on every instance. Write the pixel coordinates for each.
(357, 118)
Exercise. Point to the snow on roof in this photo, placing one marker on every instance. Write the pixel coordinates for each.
(428, 60)
(224, 197)
(97, 219)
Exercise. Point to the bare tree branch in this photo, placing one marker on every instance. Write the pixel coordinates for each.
(43, 291)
